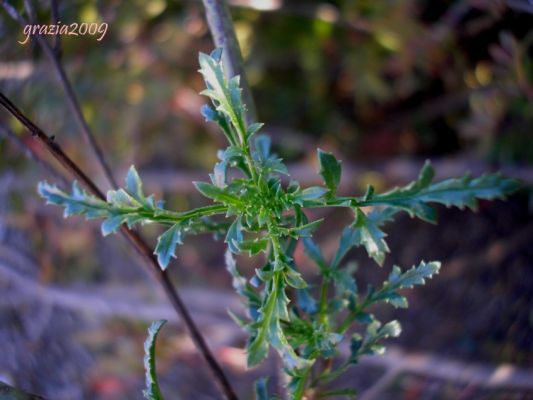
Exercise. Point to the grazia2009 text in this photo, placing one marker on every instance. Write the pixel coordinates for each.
(73, 29)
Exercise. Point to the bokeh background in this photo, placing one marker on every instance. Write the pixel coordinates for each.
(383, 84)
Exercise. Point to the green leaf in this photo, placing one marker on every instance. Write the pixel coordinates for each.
(314, 252)
(112, 224)
(253, 129)
(216, 193)
(134, 185)
(294, 279)
(253, 247)
(368, 234)
(218, 177)
(166, 245)
(330, 170)
(375, 333)
(257, 350)
(242, 287)
(398, 280)
(220, 119)
(234, 236)
(458, 192)
(152, 391)
(306, 302)
(225, 94)
(352, 237)
(77, 203)
(413, 276)
(262, 147)
(312, 193)
(344, 280)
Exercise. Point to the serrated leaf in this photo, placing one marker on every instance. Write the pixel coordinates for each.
(312, 193)
(351, 237)
(134, 184)
(256, 351)
(262, 147)
(398, 280)
(235, 236)
(330, 170)
(306, 302)
(292, 362)
(413, 276)
(458, 192)
(391, 329)
(294, 279)
(166, 245)
(77, 203)
(368, 234)
(211, 115)
(314, 252)
(152, 391)
(242, 287)
(218, 177)
(253, 247)
(216, 193)
(226, 94)
(375, 333)
(122, 199)
(253, 129)
(112, 224)
(344, 280)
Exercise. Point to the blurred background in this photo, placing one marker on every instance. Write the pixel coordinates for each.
(383, 84)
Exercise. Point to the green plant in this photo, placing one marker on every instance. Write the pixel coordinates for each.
(304, 325)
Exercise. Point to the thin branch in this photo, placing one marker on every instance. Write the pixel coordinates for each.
(58, 51)
(142, 248)
(72, 99)
(221, 27)
(32, 155)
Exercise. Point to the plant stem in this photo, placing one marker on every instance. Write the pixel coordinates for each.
(323, 302)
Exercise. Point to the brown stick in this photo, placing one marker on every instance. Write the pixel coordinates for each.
(142, 248)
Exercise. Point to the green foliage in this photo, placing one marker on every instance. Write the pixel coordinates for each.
(304, 322)
(406, 280)
(152, 391)
(330, 170)
(130, 206)
(457, 192)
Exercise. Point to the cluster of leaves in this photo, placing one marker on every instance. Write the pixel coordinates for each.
(266, 216)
